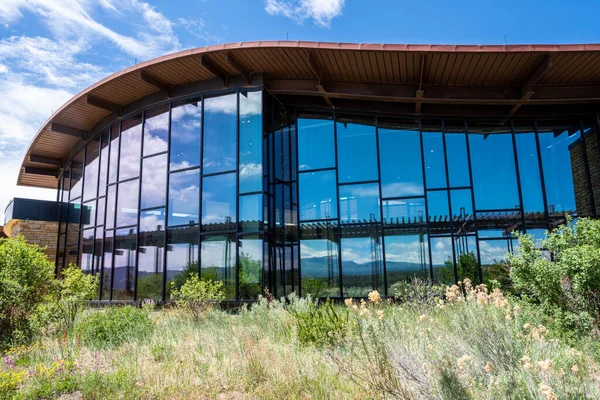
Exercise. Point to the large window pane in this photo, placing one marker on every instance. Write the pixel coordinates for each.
(437, 204)
(92, 162)
(111, 198)
(529, 171)
(182, 256)
(220, 131)
(184, 195)
(409, 210)
(458, 161)
(124, 264)
(558, 171)
(494, 173)
(87, 251)
(108, 264)
(113, 166)
(76, 175)
(186, 125)
(127, 203)
(250, 142)
(493, 259)
(406, 257)
(131, 143)
(250, 213)
(357, 152)
(401, 169)
(103, 164)
(466, 258)
(156, 130)
(359, 203)
(318, 195)
(88, 214)
(441, 260)
(218, 262)
(316, 144)
(150, 259)
(251, 267)
(319, 255)
(435, 161)
(362, 264)
(154, 181)
(462, 204)
(218, 200)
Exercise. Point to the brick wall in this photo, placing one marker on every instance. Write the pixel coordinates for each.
(42, 233)
(582, 192)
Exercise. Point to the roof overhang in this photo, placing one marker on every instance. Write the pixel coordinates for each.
(430, 80)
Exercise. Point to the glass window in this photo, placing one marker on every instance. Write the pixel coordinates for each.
(494, 173)
(250, 142)
(154, 181)
(406, 257)
(151, 255)
(529, 172)
(184, 195)
(493, 259)
(316, 144)
(318, 195)
(411, 210)
(186, 125)
(103, 164)
(357, 152)
(88, 214)
(218, 201)
(156, 130)
(124, 264)
(362, 264)
(401, 168)
(114, 154)
(98, 257)
(251, 266)
(466, 258)
(462, 204)
(441, 260)
(131, 143)
(127, 203)
(100, 211)
(359, 203)
(111, 198)
(435, 161)
(76, 175)
(108, 264)
(319, 256)
(182, 256)
(217, 257)
(91, 169)
(250, 213)
(557, 153)
(220, 131)
(87, 251)
(458, 161)
(437, 204)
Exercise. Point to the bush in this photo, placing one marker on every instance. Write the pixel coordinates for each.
(114, 326)
(198, 296)
(76, 288)
(321, 325)
(567, 284)
(417, 290)
(26, 284)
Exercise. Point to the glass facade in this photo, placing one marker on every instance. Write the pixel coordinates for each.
(236, 187)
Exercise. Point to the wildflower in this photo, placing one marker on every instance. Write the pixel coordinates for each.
(519, 336)
(354, 307)
(488, 367)
(374, 297)
(508, 316)
(348, 302)
(516, 310)
(423, 317)
(538, 332)
(462, 361)
(440, 337)
(482, 298)
(430, 347)
(575, 368)
(547, 392)
(363, 303)
(545, 365)
(526, 362)
(527, 326)
(379, 314)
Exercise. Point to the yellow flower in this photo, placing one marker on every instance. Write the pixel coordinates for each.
(488, 368)
(547, 392)
(545, 365)
(374, 297)
(348, 302)
(423, 317)
(527, 326)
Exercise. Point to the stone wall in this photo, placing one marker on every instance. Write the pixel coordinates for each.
(42, 233)
(582, 191)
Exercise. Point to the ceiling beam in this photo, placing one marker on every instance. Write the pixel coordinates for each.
(45, 160)
(420, 93)
(103, 104)
(41, 171)
(157, 83)
(321, 76)
(67, 130)
(527, 91)
(214, 69)
(235, 64)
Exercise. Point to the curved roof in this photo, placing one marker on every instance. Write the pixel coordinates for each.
(513, 79)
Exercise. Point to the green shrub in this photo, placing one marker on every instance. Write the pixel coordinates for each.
(321, 325)
(27, 284)
(76, 288)
(113, 326)
(567, 285)
(417, 290)
(198, 296)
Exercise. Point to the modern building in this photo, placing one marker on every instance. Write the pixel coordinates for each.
(328, 169)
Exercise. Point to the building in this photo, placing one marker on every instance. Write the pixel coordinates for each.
(323, 168)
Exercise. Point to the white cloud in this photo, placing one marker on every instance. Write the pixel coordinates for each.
(320, 11)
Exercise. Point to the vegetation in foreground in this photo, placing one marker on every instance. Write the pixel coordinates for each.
(465, 343)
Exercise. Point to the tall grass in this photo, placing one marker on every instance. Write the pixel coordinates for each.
(472, 345)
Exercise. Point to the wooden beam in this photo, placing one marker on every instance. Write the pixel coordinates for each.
(321, 76)
(45, 160)
(420, 94)
(235, 64)
(154, 81)
(213, 69)
(103, 104)
(67, 130)
(41, 171)
(527, 90)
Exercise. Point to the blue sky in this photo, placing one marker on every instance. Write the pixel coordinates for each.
(52, 49)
